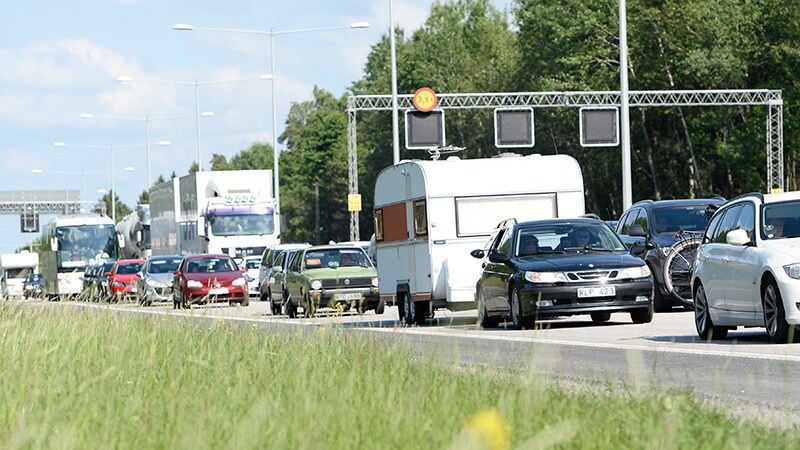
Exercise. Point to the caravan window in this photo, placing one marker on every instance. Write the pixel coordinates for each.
(477, 216)
(379, 225)
(420, 218)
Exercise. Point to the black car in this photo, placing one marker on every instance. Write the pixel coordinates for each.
(662, 223)
(32, 286)
(560, 267)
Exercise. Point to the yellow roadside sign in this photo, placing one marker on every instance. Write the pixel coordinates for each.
(353, 202)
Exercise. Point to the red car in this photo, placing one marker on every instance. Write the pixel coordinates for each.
(123, 277)
(208, 278)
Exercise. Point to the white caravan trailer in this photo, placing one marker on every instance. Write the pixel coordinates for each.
(14, 268)
(429, 215)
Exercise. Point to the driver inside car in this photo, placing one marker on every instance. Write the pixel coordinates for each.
(529, 245)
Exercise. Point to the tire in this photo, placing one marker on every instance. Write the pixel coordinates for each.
(381, 308)
(310, 309)
(600, 316)
(519, 321)
(778, 330)
(291, 310)
(678, 268)
(661, 302)
(484, 319)
(702, 318)
(246, 301)
(414, 315)
(643, 315)
(274, 307)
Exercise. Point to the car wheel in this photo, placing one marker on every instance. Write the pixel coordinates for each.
(600, 316)
(291, 310)
(519, 321)
(276, 308)
(778, 330)
(309, 310)
(265, 297)
(702, 317)
(643, 315)
(661, 302)
(246, 301)
(484, 319)
(381, 307)
(414, 315)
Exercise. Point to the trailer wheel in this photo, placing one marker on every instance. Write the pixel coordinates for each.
(414, 315)
(381, 307)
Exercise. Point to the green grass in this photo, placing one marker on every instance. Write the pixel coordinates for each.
(88, 379)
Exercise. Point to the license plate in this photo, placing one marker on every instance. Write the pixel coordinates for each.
(218, 291)
(598, 291)
(349, 296)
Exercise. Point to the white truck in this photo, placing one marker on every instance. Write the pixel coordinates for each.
(14, 268)
(429, 216)
(230, 212)
(135, 231)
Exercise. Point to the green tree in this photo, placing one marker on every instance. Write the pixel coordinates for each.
(122, 209)
(144, 198)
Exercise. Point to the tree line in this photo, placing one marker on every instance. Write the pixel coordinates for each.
(469, 46)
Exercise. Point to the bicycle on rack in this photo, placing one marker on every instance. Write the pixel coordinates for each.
(679, 265)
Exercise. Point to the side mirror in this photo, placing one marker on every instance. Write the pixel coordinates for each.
(477, 253)
(737, 237)
(637, 231)
(138, 236)
(177, 273)
(201, 226)
(650, 245)
(139, 274)
(497, 257)
(277, 269)
(107, 274)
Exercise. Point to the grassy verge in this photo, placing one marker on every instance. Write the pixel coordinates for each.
(83, 379)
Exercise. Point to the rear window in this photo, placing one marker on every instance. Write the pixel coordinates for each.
(128, 269)
(163, 265)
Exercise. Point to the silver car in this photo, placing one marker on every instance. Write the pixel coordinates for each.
(272, 271)
(155, 279)
(250, 266)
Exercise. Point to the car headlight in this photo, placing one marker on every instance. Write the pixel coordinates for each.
(634, 272)
(192, 284)
(793, 270)
(545, 277)
(316, 285)
(239, 282)
(375, 281)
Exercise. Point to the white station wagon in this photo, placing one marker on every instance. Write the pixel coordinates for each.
(747, 271)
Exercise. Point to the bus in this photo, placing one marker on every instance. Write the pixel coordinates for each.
(68, 245)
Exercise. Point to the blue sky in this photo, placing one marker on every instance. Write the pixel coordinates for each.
(61, 58)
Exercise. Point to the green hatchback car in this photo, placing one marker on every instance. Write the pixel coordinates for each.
(331, 276)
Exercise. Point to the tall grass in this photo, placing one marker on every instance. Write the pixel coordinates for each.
(88, 379)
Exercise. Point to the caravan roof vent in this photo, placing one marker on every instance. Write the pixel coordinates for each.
(453, 158)
(506, 155)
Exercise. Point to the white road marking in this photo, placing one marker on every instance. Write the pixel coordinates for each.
(449, 332)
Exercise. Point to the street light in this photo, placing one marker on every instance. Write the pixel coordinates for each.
(196, 84)
(627, 190)
(111, 149)
(393, 51)
(272, 33)
(146, 120)
(81, 173)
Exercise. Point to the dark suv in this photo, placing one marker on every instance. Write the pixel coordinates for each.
(661, 223)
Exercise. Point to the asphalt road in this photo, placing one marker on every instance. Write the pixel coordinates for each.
(745, 374)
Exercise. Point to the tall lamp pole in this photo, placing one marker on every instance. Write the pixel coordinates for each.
(395, 126)
(627, 191)
(271, 33)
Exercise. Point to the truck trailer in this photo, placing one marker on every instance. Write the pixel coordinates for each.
(429, 215)
(231, 212)
(135, 231)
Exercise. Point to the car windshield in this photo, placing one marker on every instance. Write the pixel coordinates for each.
(337, 257)
(241, 224)
(211, 265)
(128, 269)
(566, 237)
(672, 219)
(781, 220)
(163, 265)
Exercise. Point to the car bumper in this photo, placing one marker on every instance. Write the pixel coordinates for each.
(564, 299)
(206, 295)
(346, 296)
(790, 294)
(158, 294)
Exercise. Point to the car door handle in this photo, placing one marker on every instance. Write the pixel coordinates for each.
(483, 265)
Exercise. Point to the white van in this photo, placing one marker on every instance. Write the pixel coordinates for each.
(429, 215)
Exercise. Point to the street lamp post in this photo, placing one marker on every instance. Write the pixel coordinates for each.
(146, 120)
(271, 33)
(395, 126)
(196, 84)
(111, 149)
(627, 190)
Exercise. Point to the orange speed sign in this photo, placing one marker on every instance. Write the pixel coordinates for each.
(425, 99)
